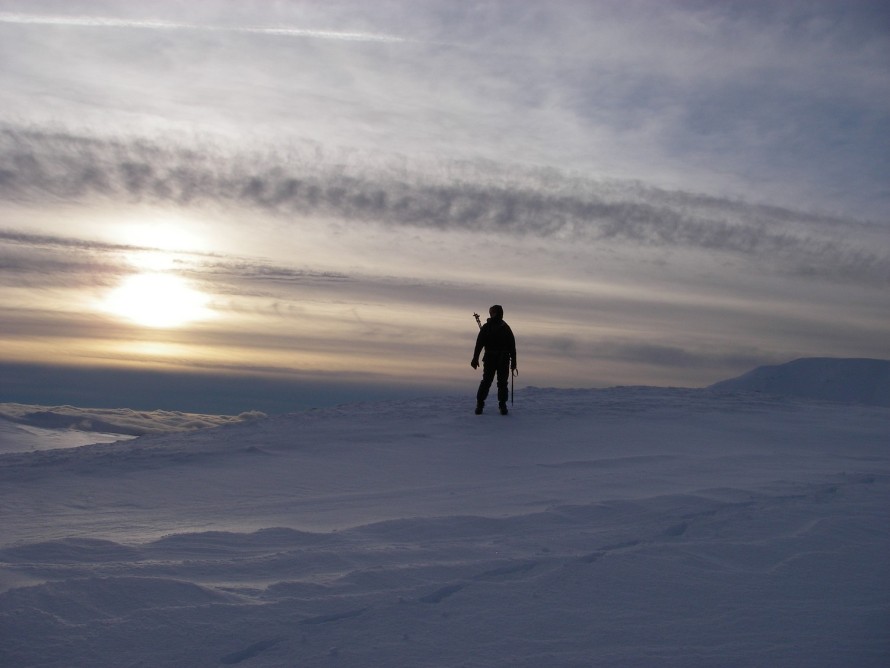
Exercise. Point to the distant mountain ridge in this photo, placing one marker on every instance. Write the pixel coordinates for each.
(845, 380)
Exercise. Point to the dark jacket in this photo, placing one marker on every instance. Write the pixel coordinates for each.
(496, 337)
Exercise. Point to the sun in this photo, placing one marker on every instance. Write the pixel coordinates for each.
(160, 300)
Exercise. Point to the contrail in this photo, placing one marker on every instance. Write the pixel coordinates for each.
(106, 22)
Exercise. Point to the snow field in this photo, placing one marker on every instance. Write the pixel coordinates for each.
(623, 527)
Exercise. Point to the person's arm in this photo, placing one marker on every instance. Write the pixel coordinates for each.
(480, 342)
(512, 350)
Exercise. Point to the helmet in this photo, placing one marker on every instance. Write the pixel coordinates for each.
(496, 311)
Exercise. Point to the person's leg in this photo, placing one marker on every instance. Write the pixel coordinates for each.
(503, 383)
(488, 373)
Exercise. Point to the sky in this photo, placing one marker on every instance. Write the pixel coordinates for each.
(221, 206)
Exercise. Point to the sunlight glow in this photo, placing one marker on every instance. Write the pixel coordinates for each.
(152, 261)
(157, 300)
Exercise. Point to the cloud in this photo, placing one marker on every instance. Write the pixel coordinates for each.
(150, 390)
(52, 240)
(783, 102)
(114, 22)
(54, 261)
(41, 168)
(362, 195)
(668, 356)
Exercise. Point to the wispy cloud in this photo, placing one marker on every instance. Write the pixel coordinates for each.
(47, 260)
(53, 240)
(113, 22)
(39, 168)
(783, 102)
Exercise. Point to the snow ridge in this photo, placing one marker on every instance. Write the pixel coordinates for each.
(855, 381)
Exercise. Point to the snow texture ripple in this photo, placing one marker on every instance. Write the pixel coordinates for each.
(622, 527)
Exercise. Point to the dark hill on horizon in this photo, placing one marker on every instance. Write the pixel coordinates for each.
(845, 380)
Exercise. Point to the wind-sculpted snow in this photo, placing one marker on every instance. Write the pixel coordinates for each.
(117, 420)
(624, 527)
(16, 437)
(25, 428)
(856, 381)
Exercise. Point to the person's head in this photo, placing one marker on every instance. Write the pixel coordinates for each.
(496, 312)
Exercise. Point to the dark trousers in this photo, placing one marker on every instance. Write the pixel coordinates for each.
(495, 364)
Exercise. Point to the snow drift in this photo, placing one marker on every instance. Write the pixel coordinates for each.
(25, 428)
(858, 381)
(621, 527)
(123, 421)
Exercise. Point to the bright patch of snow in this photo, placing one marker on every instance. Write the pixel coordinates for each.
(622, 527)
(24, 438)
(124, 421)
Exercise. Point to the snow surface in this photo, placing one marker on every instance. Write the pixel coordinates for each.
(118, 420)
(856, 381)
(24, 428)
(25, 438)
(620, 527)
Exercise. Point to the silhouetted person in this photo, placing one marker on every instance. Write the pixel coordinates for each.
(496, 337)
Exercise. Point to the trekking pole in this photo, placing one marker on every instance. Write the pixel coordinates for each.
(478, 321)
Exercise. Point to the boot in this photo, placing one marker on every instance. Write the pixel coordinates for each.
(503, 407)
(479, 406)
